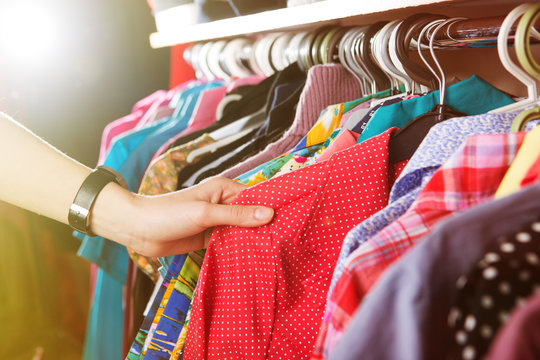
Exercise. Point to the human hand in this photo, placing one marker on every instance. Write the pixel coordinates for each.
(173, 223)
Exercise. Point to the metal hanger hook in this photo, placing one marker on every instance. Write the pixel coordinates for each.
(442, 79)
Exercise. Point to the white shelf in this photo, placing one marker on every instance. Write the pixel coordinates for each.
(324, 11)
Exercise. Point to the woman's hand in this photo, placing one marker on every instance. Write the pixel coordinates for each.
(173, 223)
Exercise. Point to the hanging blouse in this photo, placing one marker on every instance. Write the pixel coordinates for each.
(261, 292)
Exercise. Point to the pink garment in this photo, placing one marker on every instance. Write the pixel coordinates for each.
(147, 101)
(204, 115)
(325, 85)
(250, 80)
(116, 128)
(160, 102)
(141, 113)
(344, 140)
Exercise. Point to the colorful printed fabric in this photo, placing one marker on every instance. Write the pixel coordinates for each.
(269, 170)
(261, 292)
(330, 119)
(169, 324)
(139, 346)
(161, 178)
(470, 177)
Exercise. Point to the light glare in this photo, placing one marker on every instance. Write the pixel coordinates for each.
(28, 33)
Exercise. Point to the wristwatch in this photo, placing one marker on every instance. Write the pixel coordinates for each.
(79, 210)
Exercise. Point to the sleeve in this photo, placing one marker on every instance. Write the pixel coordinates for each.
(233, 310)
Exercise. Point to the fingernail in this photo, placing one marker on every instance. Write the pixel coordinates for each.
(263, 213)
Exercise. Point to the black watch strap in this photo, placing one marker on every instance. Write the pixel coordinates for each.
(79, 210)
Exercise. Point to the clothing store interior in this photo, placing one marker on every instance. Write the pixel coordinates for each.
(396, 141)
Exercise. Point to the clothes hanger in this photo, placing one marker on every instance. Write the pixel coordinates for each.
(404, 36)
(292, 50)
(253, 60)
(523, 32)
(527, 61)
(437, 25)
(202, 59)
(355, 58)
(405, 141)
(317, 44)
(191, 57)
(379, 49)
(332, 51)
(394, 58)
(213, 60)
(344, 58)
(277, 52)
(232, 53)
(324, 46)
(263, 53)
(381, 81)
(513, 68)
(304, 50)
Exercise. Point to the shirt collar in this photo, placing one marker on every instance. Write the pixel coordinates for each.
(441, 142)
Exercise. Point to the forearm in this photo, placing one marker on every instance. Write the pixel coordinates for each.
(39, 178)
(34, 175)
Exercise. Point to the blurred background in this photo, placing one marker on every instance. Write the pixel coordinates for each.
(67, 68)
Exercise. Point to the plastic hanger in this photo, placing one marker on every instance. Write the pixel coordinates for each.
(304, 50)
(277, 52)
(252, 60)
(527, 61)
(522, 45)
(513, 68)
(324, 46)
(381, 81)
(292, 50)
(202, 61)
(392, 52)
(355, 57)
(232, 57)
(405, 141)
(213, 60)
(316, 59)
(191, 57)
(332, 47)
(379, 49)
(344, 58)
(404, 36)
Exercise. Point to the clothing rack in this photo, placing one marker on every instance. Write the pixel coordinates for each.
(335, 12)
(476, 32)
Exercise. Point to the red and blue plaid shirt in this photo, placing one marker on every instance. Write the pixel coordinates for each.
(470, 177)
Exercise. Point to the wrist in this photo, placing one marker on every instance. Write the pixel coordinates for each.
(113, 215)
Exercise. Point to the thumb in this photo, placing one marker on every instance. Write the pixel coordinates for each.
(239, 215)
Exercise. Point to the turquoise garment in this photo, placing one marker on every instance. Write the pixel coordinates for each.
(472, 96)
(125, 156)
(105, 324)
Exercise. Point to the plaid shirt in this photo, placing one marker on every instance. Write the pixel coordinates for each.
(470, 177)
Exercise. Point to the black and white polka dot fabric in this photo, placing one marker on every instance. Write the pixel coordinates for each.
(502, 280)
